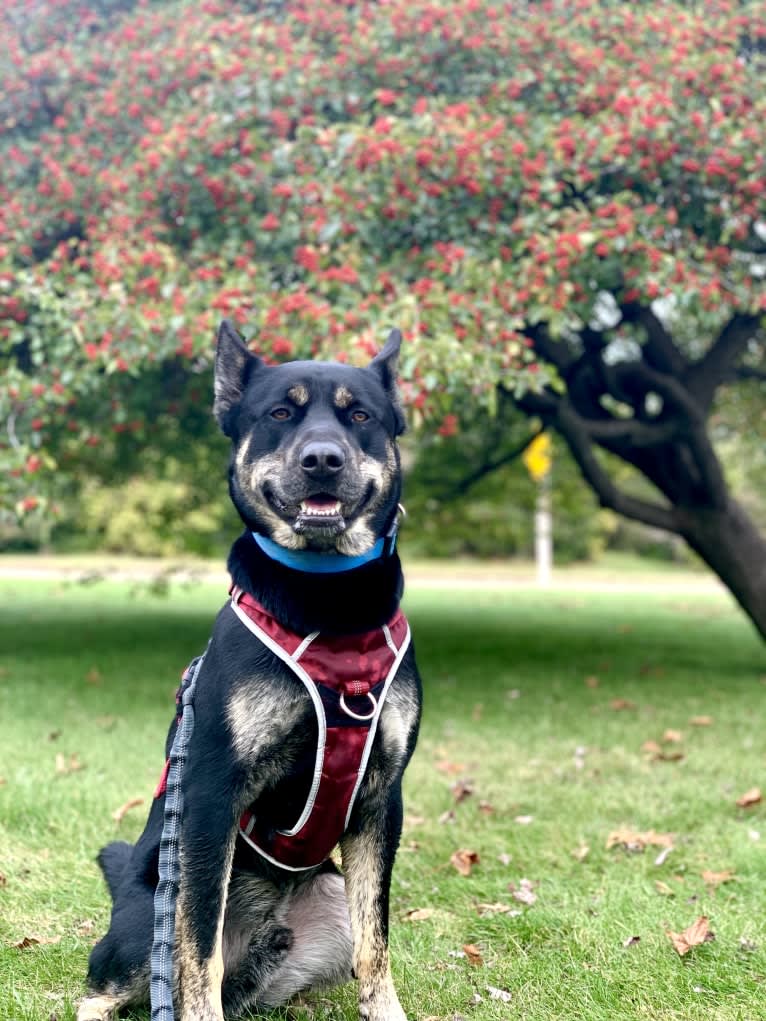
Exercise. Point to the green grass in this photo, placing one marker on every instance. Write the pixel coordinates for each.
(91, 671)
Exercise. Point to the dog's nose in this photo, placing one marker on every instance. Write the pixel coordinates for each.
(321, 458)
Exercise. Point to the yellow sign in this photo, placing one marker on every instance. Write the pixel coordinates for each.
(537, 457)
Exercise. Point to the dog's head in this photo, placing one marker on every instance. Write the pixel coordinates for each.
(315, 463)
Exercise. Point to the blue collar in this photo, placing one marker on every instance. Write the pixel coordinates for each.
(324, 563)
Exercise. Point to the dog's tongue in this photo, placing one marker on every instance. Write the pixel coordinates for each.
(321, 505)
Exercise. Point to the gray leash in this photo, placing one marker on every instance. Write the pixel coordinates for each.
(162, 979)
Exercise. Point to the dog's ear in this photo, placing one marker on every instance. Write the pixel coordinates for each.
(234, 365)
(384, 366)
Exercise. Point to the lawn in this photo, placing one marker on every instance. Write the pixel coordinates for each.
(539, 707)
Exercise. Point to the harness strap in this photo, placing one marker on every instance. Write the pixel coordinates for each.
(332, 670)
(162, 978)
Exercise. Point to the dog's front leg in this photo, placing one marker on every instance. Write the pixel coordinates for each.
(368, 850)
(207, 849)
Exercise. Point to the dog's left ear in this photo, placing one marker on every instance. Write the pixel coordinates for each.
(234, 365)
(384, 366)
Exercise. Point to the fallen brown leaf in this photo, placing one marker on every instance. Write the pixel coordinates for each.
(672, 736)
(651, 747)
(448, 816)
(714, 879)
(463, 861)
(3, 879)
(635, 840)
(499, 994)
(493, 909)
(663, 889)
(620, 704)
(473, 954)
(445, 766)
(413, 820)
(697, 933)
(477, 712)
(581, 853)
(592, 682)
(64, 766)
(701, 721)
(93, 676)
(54, 735)
(418, 914)
(667, 756)
(119, 814)
(750, 798)
(486, 808)
(524, 893)
(3, 781)
(86, 927)
(461, 790)
(33, 941)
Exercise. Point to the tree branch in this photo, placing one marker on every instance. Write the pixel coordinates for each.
(660, 351)
(709, 372)
(651, 380)
(551, 350)
(747, 372)
(631, 430)
(489, 466)
(571, 428)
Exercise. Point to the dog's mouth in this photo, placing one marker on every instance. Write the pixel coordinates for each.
(318, 513)
(321, 513)
(321, 507)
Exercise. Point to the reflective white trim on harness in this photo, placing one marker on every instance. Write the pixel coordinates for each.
(310, 685)
(374, 725)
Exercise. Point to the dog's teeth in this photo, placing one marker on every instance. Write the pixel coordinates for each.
(321, 510)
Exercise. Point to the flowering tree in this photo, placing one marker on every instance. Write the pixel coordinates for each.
(561, 204)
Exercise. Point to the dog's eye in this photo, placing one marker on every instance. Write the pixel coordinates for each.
(281, 414)
(359, 416)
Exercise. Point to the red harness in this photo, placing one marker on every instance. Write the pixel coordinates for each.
(347, 678)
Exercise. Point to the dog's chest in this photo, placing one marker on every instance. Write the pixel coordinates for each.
(345, 680)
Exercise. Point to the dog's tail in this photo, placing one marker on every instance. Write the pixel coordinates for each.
(112, 860)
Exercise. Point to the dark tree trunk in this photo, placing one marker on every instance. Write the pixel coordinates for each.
(730, 544)
(653, 412)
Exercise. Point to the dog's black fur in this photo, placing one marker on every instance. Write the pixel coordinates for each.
(307, 437)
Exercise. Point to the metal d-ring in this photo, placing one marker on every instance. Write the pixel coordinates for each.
(356, 716)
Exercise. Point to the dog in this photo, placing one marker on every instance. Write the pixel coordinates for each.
(263, 913)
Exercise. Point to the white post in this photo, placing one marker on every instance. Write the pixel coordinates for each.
(543, 531)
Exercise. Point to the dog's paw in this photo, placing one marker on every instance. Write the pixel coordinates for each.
(97, 1008)
(386, 1008)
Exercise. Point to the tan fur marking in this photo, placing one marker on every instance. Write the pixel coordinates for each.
(198, 985)
(251, 478)
(253, 730)
(377, 996)
(360, 536)
(342, 397)
(98, 1008)
(299, 394)
(199, 981)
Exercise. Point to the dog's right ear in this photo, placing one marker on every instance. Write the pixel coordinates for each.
(234, 365)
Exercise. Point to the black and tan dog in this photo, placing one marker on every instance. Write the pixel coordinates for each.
(262, 914)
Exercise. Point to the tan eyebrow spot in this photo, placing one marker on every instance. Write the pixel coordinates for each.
(299, 394)
(342, 397)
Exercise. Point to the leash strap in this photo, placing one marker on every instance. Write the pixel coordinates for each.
(162, 978)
